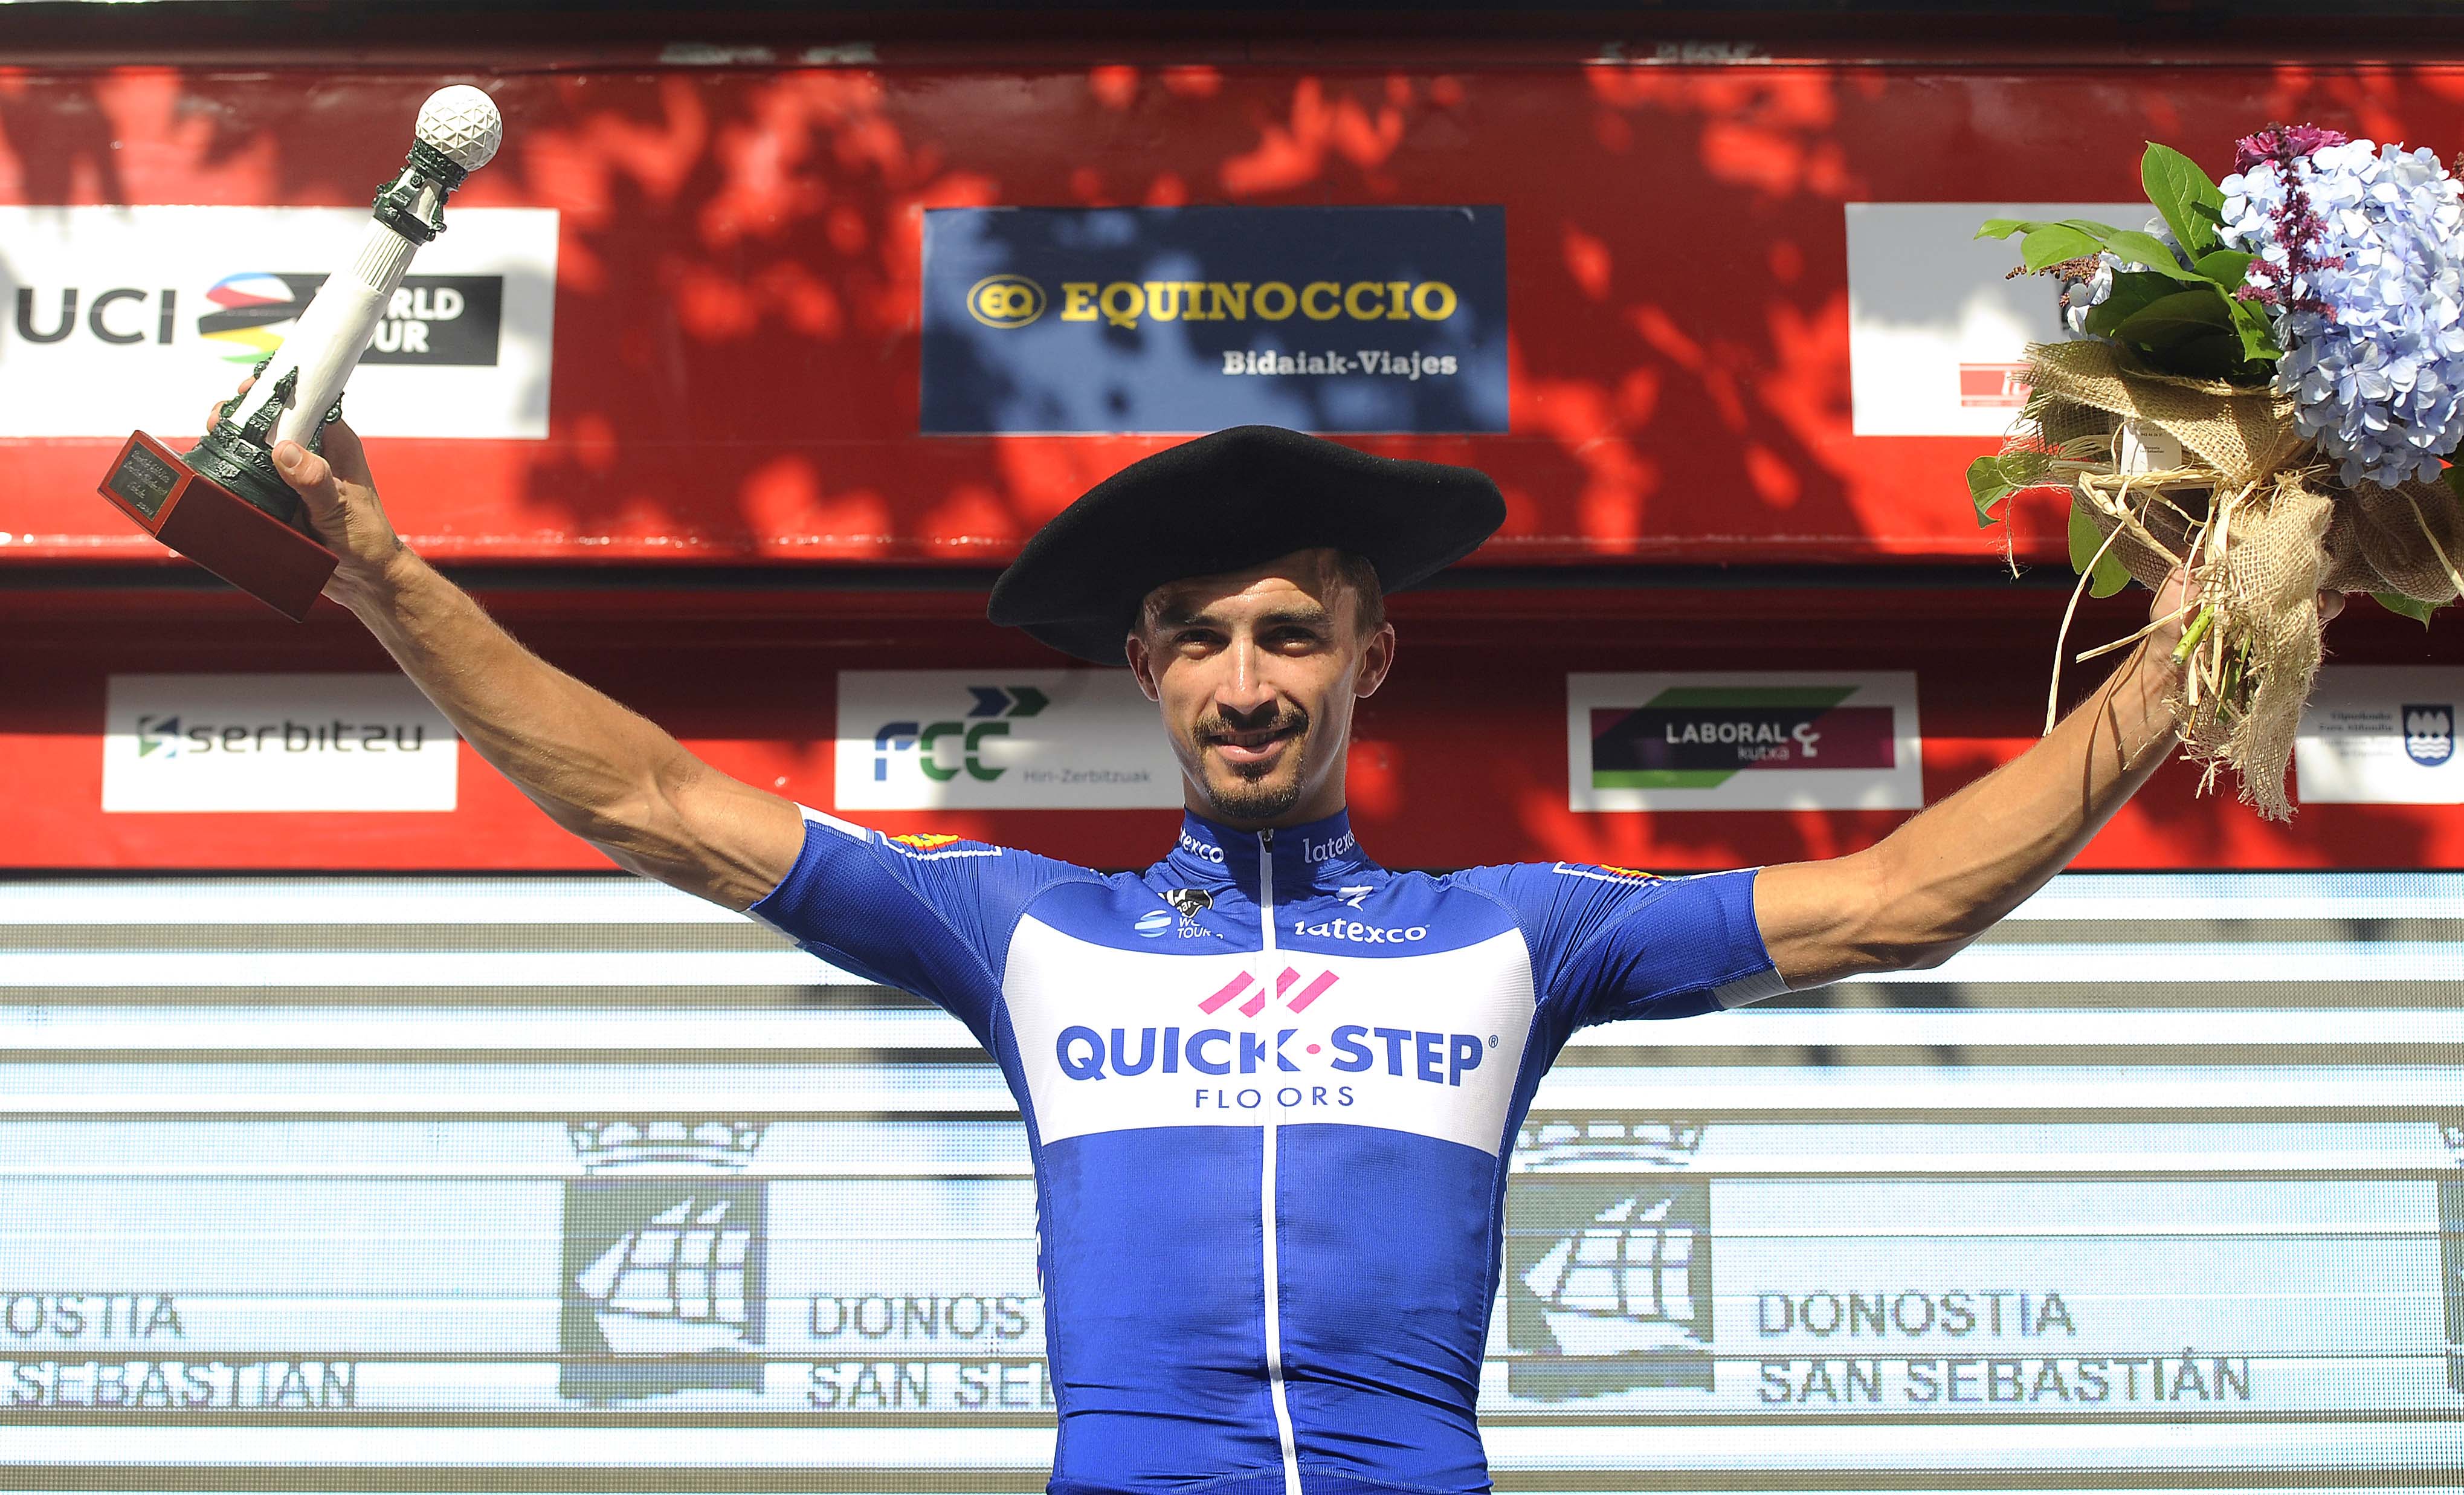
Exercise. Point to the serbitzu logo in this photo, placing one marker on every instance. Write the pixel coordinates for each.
(1005, 300)
(1700, 736)
(934, 744)
(165, 737)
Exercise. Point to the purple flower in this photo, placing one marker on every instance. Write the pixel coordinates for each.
(2277, 142)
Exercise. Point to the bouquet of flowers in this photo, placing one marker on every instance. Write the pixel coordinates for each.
(2264, 386)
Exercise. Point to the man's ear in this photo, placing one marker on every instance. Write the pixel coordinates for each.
(1142, 665)
(1377, 657)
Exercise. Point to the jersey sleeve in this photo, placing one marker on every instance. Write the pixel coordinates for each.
(929, 914)
(1608, 943)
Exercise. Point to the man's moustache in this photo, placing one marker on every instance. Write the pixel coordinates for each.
(1215, 730)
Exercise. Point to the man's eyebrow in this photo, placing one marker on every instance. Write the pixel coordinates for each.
(1181, 615)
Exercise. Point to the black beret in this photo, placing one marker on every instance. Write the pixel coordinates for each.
(1226, 502)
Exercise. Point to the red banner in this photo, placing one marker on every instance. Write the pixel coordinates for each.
(735, 320)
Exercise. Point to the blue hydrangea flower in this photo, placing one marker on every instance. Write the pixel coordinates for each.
(2357, 265)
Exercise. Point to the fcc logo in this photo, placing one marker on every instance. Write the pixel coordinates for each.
(1005, 300)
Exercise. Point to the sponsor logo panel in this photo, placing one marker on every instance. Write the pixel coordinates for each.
(2381, 734)
(1640, 1276)
(165, 306)
(1194, 319)
(270, 743)
(1015, 740)
(1936, 325)
(1750, 741)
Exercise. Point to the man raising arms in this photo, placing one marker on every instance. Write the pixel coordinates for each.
(1270, 1088)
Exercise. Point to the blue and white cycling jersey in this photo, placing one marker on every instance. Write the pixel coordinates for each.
(1270, 1090)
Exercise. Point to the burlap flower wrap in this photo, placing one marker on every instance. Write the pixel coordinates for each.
(2258, 517)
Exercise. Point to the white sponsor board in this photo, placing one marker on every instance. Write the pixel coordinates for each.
(2381, 734)
(217, 742)
(1000, 740)
(1743, 740)
(118, 317)
(1935, 327)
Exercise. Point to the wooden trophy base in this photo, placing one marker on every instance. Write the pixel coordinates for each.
(218, 528)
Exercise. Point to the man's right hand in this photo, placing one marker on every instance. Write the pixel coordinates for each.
(344, 513)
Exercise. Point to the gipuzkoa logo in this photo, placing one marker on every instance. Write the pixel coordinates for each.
(1352, 1048)
(1005, 300)
(663, 1277)
(995, 707)
(2429, 734)
(444, 320)
(1699, 737)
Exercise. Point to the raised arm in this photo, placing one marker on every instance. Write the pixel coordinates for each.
(1919, 895)
(599, 770)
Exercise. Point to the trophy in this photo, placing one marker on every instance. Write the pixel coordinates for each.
(223, 504)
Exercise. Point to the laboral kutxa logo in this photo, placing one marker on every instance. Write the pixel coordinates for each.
(929, 739)
(1743, 742)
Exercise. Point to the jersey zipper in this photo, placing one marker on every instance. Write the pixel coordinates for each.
(1266, 1189)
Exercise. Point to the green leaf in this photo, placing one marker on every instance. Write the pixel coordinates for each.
(2088, 225)
(2133, 292)
(2454, 477)
(2257, 333)
(2053, 243)
(2180, 190)
(2004, 228)
(2396, 602)
(1987, 487)
(2227, 268)
(2170, 320)
(2111, 575)
(2149, 251)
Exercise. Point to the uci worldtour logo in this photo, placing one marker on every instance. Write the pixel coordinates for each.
(444, 320)
(933, 744)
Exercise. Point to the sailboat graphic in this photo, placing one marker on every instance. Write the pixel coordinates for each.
(1623, 1284)
(676, 1285)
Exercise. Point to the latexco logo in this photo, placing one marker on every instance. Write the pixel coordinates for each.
(995, 707)
(1005, 300)
(166, 737)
